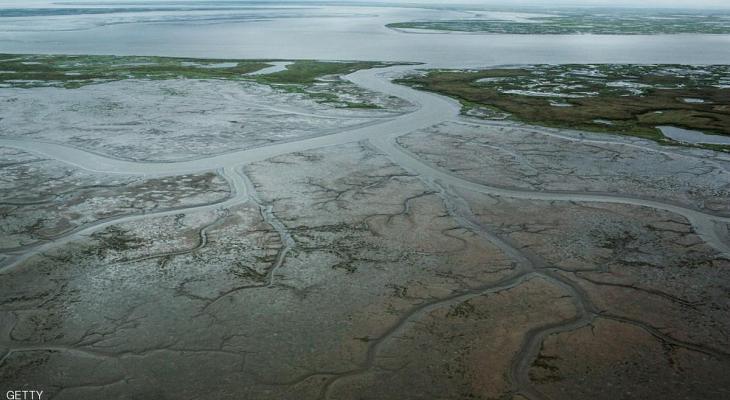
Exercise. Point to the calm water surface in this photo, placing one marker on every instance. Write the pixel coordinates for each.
(336, 33)
(692, 136)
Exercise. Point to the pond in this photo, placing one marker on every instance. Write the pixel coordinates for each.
(691, 136)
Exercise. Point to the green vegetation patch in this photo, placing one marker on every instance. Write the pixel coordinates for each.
(625, 99)
(74, 71)
(599, 22)
(308, 72)
(317, 79)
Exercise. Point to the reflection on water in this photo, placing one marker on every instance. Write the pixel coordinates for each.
(335, 32)
(690, 136)
(276, 66)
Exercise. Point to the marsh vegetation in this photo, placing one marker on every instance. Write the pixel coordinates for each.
(69, 71)
(625, 99)
(567, 22)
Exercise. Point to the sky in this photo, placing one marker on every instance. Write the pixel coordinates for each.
(587, 3)
(500, 3)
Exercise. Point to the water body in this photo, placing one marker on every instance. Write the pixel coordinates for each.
(691, 136)
(335, 33)
(276, 66)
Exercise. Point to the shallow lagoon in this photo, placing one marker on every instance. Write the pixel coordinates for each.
(340, 33)
(692, 136)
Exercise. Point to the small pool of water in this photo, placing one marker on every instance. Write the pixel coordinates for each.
(276, 66)
(210, 66)
(690, 136)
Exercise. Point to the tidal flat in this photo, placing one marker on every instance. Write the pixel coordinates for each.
(182, 227)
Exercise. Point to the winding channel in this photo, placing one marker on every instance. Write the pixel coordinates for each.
(431, 109)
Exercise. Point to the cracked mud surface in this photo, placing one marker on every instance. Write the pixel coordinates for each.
(583, 363)
(522, 157)
(631, 262)
(232, 294)
(176, 119)
(395, 261)
(43, 199)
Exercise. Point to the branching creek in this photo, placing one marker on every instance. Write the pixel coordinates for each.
(431, 109)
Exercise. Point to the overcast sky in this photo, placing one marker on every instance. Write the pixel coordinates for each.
(501, 3)
(610, 3)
